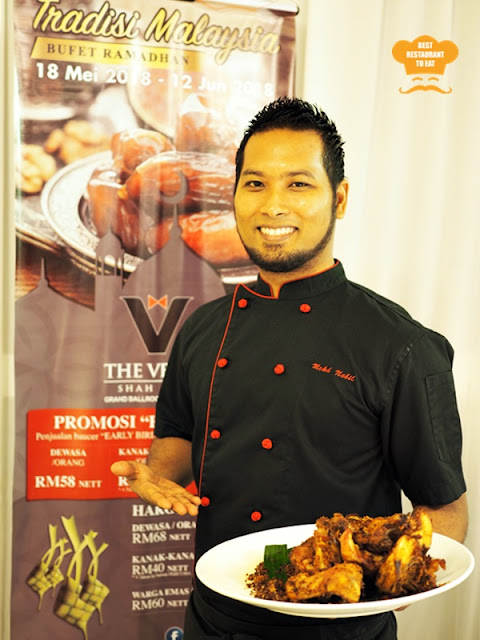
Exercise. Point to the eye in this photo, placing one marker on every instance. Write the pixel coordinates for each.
(254, 184)
(300, 185)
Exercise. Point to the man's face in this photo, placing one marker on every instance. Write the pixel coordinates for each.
(284, 204)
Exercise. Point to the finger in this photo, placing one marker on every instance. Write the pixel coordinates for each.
(174, 504)
(184, 508)
(180, 501)
(124, 468)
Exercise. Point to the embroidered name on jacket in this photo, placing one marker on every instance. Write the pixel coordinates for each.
(323, 368)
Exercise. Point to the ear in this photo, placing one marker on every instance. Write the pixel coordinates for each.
(342, 198)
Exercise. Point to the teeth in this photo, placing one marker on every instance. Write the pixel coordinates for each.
(279, 231)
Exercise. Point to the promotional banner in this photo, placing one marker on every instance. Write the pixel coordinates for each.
(128, 115)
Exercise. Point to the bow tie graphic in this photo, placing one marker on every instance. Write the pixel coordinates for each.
(162, 302)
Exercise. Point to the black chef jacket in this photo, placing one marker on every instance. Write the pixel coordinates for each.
(328, 398)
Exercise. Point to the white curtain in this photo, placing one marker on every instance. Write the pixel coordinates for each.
(412, 229)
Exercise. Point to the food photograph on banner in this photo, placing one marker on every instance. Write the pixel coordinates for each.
(128, 117)
(332, 452)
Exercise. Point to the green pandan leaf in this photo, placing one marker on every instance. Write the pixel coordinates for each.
(275, 558)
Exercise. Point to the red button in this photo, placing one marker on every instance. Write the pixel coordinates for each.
(279, 369)
(205, 501)
(305, 308)
(215, 434)
(242, 303)
(256, 516)
(222, 363)
(267, 443)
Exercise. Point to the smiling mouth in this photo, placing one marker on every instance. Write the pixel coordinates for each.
(276, 232)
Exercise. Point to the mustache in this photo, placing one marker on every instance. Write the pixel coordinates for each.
(425, 87)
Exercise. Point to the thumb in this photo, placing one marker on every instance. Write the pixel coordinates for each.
(124, 468)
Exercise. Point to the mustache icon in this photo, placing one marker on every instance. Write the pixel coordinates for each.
(425, 87)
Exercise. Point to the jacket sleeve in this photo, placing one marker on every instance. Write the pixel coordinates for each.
(421, 424)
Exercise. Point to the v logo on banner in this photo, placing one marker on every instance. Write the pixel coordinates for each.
(156, 341)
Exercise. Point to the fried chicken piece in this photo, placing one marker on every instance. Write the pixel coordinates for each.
(302, 556)
(327, 547)
(344, 580)
(403, 568)
(351, 552)
(378, 535)
(420, 527)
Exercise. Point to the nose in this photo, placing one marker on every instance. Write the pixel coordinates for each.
(274, 203)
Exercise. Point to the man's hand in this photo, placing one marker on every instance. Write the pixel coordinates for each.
(156, 490)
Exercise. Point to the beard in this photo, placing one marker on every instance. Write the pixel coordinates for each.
(276, 260)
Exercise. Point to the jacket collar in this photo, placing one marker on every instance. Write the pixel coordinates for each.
(304, 287)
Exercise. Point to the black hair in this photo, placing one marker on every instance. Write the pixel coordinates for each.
(298, 115)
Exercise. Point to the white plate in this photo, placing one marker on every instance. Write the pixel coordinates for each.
(225, 567)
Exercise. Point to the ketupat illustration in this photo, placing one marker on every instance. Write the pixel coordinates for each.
(79, 596)
(94, 592)
(72, 608)
(77, 602)
(44, 576)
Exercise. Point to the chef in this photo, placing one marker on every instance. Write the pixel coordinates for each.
(304, 394)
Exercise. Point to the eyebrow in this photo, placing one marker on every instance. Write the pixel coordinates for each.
(287, 174)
